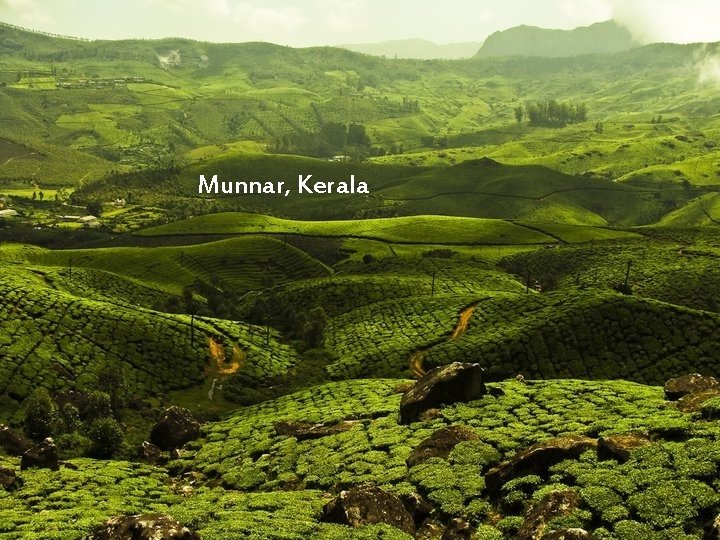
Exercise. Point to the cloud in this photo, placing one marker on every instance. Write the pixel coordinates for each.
(707, 65)
(342, 16)
(25, 13)
(259, 19)
(690, 21)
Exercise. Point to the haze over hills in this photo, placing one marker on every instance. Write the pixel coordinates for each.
(598, 38)
(416, 48)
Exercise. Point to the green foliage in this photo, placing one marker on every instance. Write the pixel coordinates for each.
(107, 437)
(41, 416)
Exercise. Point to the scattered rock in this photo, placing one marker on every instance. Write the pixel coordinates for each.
(689, 384)
(303, 431)
(12, 442)
(459, 529)
(569, 534)
(537, 459)
(440, 444)
(693, 402)
(417, 506)
(619, 447)
(456, 382)
(496, 391)
(150, 452)
(175, 427)
(431, 529)
(9, 480)
(712, 529)
(367, 505)
(430, 415)
(552, 505)
(142, 527)
(41, 456)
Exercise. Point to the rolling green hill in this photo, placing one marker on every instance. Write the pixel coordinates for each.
(124, 102)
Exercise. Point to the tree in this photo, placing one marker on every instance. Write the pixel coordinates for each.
(519, 113)
(94, 208)
(107, 436)
(41, 415)
(111, 380)
(314, 331)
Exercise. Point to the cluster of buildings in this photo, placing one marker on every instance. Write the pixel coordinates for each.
(64, 82)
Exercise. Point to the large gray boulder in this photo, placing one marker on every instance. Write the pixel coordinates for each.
(444, 385)
(142, 527)
(689, 384)
(13, 442)
(175, 427)
(9, 480)
(368, 505)
(537, 460)
(41, 456)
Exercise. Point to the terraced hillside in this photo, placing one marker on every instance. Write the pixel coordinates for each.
(680, 268)
(50, 338)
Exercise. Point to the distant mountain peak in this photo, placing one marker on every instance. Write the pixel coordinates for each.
(524, 40)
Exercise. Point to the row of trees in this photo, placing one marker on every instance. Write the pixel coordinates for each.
(551, 113)
(333, 138)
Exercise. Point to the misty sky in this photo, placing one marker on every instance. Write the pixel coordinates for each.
(327, 22)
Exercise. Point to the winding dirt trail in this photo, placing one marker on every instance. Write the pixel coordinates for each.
(416, 358)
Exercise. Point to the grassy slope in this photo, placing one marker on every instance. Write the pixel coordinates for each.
(241, 263)
(415, 229)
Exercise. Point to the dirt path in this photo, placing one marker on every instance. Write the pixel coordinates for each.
(416, 358)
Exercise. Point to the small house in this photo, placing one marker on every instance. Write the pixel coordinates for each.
(89, 221)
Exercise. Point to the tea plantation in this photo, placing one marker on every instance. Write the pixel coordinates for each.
(243, 480)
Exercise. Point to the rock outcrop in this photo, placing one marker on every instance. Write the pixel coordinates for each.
(537, 459)
(303, 431)
(9, 480)
(444, 385)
